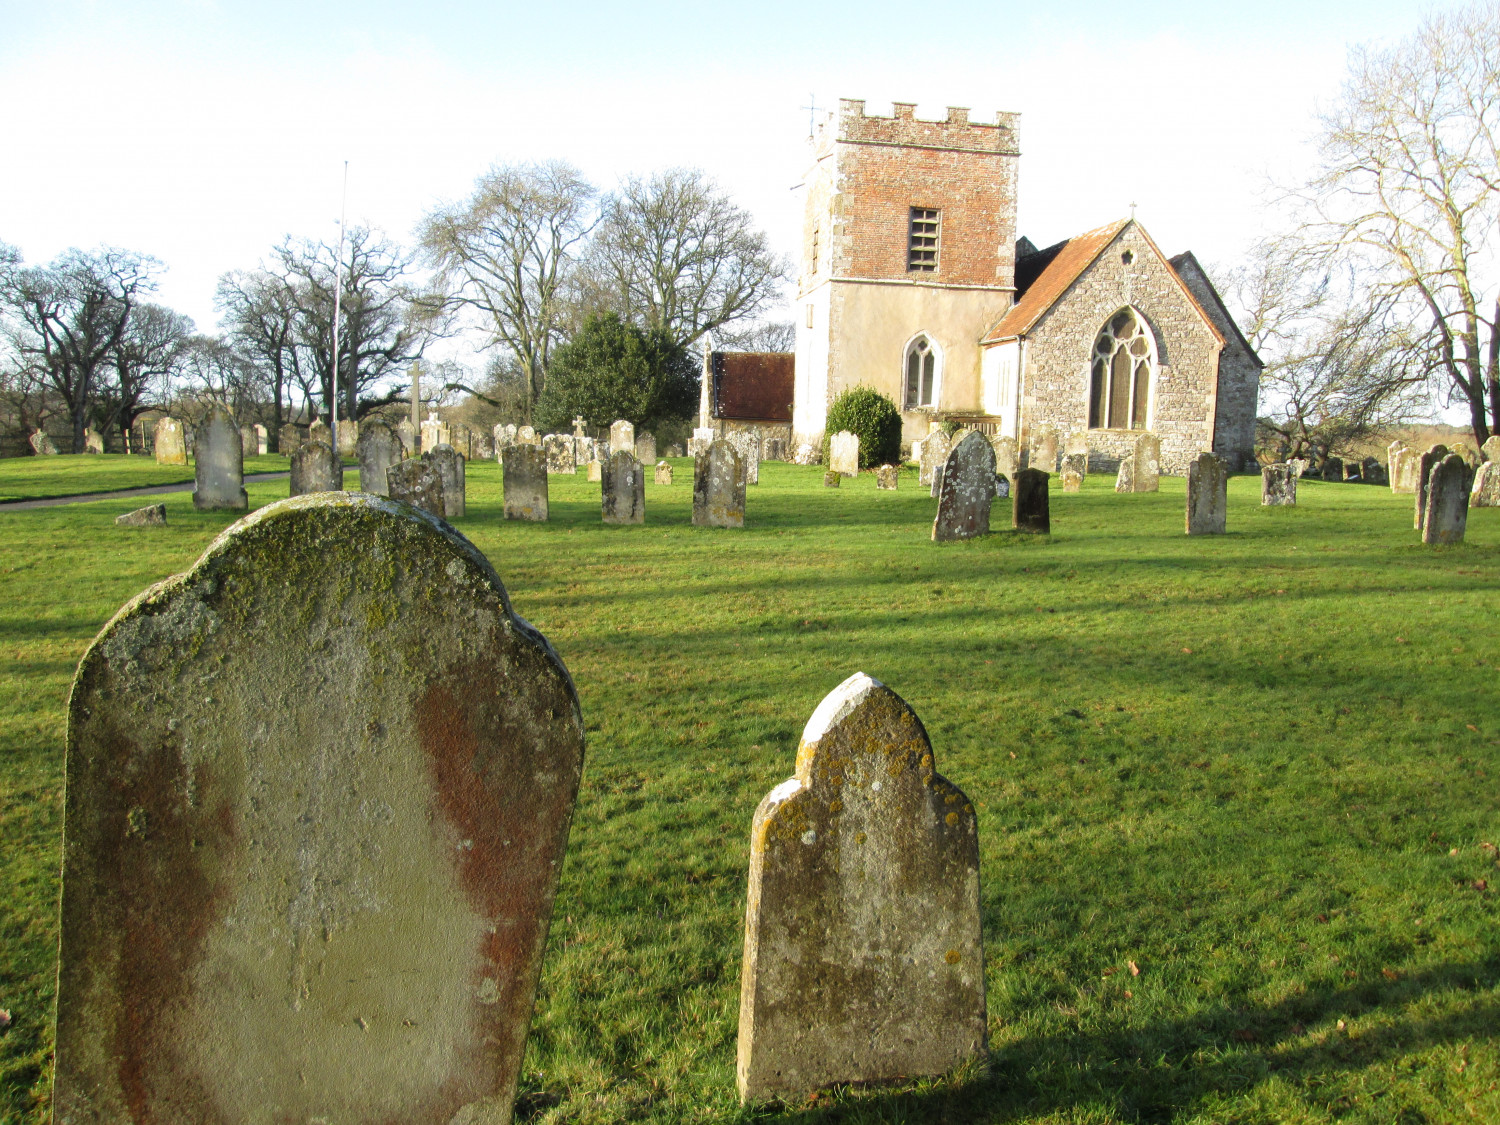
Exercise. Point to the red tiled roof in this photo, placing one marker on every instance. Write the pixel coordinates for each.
(1069, 260)
(754, 386)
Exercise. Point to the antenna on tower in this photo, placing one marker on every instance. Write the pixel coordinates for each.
(812, 115)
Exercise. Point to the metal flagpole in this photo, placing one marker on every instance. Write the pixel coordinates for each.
(338, 292)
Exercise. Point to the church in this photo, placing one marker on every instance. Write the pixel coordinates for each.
(913, 281)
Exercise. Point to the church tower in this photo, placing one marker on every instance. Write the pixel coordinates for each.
(908, 258)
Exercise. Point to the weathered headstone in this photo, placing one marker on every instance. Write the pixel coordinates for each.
(262, 440)
(318, 796)
(1077, 444)
(348, 437)
(415, 481)
(843, 453)
(219, 464)
(378, 449)
(1043, 449)
(93, 442)
(1029, 508)
(1393, 459)
(702, 436)
(525, 469)
(504, 436)
(1486, 490)
(319, 431)
(1207, 495)
(1075, 468)
(622, 436)
(170, 442)
(450, 466)
(1072, 480)
(1403, 470)
(773, 449)
(1299, 466)
(316, 468)
(966, 491)
(1466, 451)
(152, 515)
(1125, 478)
(247, 441)
(674, 450)
(1447, 500)
(718, 486)
(1490, 450)
(288, 440)
(831, 479)
(1278, 485)
(937, 481)
(748, 446)
(559, 450)
(645, 447)
(527, 436)
(863, 956)
(807, 454)
(1423, 473)
(934, 455)
(1002, 486)
(887, 477)
(434, 433)
(596, 470)
(622, 489)
(1146, 466)
(1005, 455)
(1333, 468)
(663, 473)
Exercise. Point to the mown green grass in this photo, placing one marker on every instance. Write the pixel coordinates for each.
(36, 478)
(1261, 766)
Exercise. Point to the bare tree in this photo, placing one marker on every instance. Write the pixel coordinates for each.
(675, 252)
(505, 255)
(142, 365)
(1410, 188)
(260, 314)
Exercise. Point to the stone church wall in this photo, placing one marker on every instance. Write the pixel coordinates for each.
(1239, 374)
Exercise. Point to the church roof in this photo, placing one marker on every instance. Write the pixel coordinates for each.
(753, 386)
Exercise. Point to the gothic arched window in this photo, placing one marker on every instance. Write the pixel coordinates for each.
(921, 373)
(1120, 374)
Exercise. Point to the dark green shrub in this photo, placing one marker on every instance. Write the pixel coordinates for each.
(614, 369)
(873, 418)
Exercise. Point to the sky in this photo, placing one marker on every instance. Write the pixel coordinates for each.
(202, 132)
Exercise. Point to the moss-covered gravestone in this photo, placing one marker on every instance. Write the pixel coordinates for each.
(525, 468)
(318, 794)
(887, 477)
(1207, 495)
(1278, 485)
(966, 489)
(718, 486)
(863, 959)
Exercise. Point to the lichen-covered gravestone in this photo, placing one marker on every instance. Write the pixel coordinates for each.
(319, 431)
(1299, 466)
(559, 450)
(887, 477)
(1486, 490)
(1393, 459)
(1447, 500)
(1043, 453)
(525, 468)
(843, 453)
(219, 464)
(1146, 467)
(747, 444)
(1490, 450)
(1207, 495)
(1278, 485)
(348, 437)
(935, 451)
(288, 440)
(1125, 478)
(645, 447)
(170, 442)
(966, 491)
(1005, 456)
(318, 795)
(316, 468)
(416, 481)
(379, 448)
(718, 486)
(622, 489)
(1075, 467)
(152, 515)
(527, 436)
(93, 442)
(450, 466)
(831, 479)
(1423, 473)
(863, 960)
(622, 436)
(663, 473)
(1029, 507)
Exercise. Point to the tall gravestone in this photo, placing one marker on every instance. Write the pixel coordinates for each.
(747, 444)
(1030, 509)
(1005, 456)
(1393, 458)
(966, 490)
(170, 442)
(415, 481)
(505, 436)
(1423, 473)
(1043, 449)
(663, 473)
(318, 794)
(1447, 513)
(316, 468)
(1207, 495)
(559, 450)
(1486, 490)
(935, 450)
(41, 446)
(247, 441)
(288, 440)
(622, 489)
(410, 438)
(379, 448)
(1146, 471)
(348, 437)
(718, 486)
(843, 453)
(219, 464)
(645, 448)
(1125, 478)
(93, 441)
(262, 440)
(450, 466)
(1075, 467)
(1278, 485)
(622, 436)
(863, 957)
(434, 433)
(319, 431)
(525, 469)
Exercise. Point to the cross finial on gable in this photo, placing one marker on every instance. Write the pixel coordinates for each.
(1132, 212)
(812, 115)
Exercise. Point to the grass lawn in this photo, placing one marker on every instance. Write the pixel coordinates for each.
(1261, 766)
(35, 478)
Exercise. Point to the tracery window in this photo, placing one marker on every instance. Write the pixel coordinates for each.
(1120, 382)
(921, 370)
(922, 240)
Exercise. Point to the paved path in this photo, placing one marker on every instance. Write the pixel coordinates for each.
(121, 494)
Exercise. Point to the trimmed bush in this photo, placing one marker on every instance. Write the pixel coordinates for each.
(872, 417)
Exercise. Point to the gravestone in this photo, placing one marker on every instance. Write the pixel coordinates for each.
(1466, 451)
(1002, 486)
(461, 438)
(318, 793)
(1393, 460)
(92, 441)
(1333, 469)
(1077, 444)
(504, 436)
(378, 449)
(170, 442)
(152, 515)
(1490, 450)
(288, 440)
(450, 466)
(1207, 495)
(966, 491)
(434, 434)
(525, 469)
(863, 957)
(1486, 490)
(937, 481)
(219, 464)
(348, 437)
(247, 440)
(1447, 513)
(1005, 455)
(415, 481)
(1146, 470)
(596, 470)
(674, 450)
(1423, 472)
(748, 447)
(663, 473)
(527, 436)
(1403, 470)
(886, 478)
(934, 454)
(843, 453)
(774, 449)
(1043, 449)
(1075, 467)
(1125, 478)
(622, 489)
(807, 454)
(319, 431)
(622, 436)
(316, 468)
(718, 486)
(1072, 480)
(645, 447)
(559, 450)
(1278, 486)
(262, 440)
(831, 479)
(1029, 509)
(1299, 466)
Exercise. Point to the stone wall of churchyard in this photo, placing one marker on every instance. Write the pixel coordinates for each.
(766, 430)
(1056, 385)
